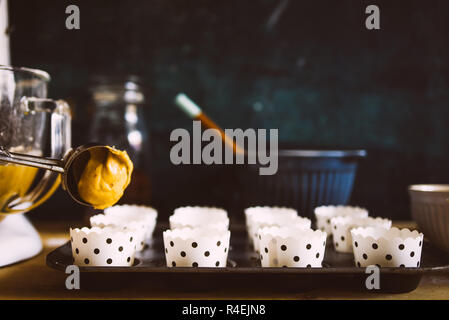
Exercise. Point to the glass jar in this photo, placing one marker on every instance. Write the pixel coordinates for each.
(118, 105)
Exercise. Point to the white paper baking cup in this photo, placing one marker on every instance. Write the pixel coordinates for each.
(136, 226)
(292, 247)
(324, 214)
(144, 214)
(275, 220)
(258, 210)
(266, 209)
(196, 247)
(341, 229)
(253, 212)
(386, 248)
(212, 210)
(102, 246)
(199, 217)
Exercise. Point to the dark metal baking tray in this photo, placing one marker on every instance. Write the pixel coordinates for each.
(243, 270)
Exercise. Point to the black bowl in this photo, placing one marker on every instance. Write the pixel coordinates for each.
(305, 179)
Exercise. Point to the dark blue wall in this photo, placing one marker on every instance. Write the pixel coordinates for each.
(316, 74)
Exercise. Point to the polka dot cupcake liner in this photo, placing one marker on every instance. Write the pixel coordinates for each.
(102, 247)
(341, 230)
(270, 220)
(138, 228)
(199, 217)
(143, 214)
(290, 247)
(196, 247)
(252, 213)
(324, 214)
(386, 248)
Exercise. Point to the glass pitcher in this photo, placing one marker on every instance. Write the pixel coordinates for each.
(30, 124)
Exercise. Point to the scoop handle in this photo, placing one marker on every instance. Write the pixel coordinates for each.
(31, 161)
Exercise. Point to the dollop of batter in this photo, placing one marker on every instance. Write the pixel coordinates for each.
(105, 177)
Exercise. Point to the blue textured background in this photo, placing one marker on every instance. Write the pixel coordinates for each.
(317, 74)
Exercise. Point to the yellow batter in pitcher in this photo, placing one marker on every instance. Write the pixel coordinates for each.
(15, 181)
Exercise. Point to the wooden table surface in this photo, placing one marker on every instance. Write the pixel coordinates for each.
(32, 279)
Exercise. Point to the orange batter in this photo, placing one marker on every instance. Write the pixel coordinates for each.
(105, 177)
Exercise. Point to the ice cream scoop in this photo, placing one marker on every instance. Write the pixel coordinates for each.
(93, 174)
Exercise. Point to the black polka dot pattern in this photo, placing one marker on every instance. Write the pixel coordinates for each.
(196, 253)
(292, 255)
(108, 252)
(401, 254)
